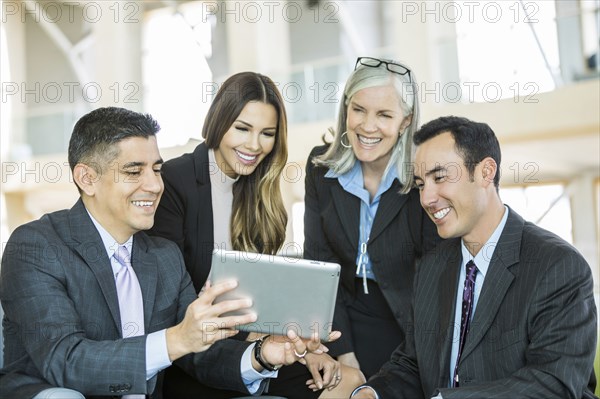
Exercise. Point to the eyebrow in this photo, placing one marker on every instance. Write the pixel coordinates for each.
(431, 172)
(243, 122)
(136, 164)
(381, 110)
(249, 125)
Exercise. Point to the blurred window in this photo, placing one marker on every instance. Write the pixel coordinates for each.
(506, 49)
(178, 86)
(548, 206)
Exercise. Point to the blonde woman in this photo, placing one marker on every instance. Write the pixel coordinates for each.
(363, 212)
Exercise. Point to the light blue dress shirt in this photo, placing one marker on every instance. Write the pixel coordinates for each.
(353, 183)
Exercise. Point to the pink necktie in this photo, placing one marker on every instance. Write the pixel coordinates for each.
(131, 305)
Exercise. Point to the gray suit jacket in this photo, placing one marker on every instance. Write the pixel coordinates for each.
(62, 324)
(533, 334)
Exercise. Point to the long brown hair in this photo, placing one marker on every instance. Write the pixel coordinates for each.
(258, 218)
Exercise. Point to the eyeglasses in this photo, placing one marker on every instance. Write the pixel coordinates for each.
(391, 66)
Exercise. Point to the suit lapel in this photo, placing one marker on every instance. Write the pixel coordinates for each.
(497, 281)
(202, 166)
(389, 206)
(88, 244)
(447, 284)
(205, 210)
(347, 204)
(146, 269)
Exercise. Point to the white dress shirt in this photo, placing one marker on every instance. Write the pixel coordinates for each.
(482, 261)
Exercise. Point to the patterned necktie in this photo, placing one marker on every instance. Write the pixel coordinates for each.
(467, 311)
(131, 305)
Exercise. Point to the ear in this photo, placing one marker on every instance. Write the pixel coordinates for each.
(85, 177)
(407, 120)
(489, 168)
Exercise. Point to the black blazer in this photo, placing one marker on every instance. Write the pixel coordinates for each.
(533, 334)
(185, 213)
(400, 234)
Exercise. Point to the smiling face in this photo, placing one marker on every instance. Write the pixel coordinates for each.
(374, 123)
(248, 141)
(124, 198)
(455, 201)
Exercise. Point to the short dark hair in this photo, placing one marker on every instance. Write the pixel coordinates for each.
(96, 133)
(474, 141)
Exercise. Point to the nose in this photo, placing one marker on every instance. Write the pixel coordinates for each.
(370, 123)
(153, 183)
(428, 195)
(253, 142)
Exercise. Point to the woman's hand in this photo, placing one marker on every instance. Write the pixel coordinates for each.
(280, 350)
(325, 365)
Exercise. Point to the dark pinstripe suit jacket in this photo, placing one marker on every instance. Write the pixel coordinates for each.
(401, 232)
(61, 313)
(533, 334)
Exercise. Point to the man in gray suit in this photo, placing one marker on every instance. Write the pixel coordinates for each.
(523, 324)
(65, 328)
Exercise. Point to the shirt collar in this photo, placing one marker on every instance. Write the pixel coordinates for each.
(353, 179)
(110, 244)
(484, 256)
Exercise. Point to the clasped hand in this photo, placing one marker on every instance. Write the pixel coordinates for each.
(285, 350)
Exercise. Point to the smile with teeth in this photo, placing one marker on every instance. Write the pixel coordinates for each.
(143, 203)
(367, 140)
(246, 157)
(441, 213)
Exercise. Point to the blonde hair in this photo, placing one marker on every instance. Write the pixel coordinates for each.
(341, 159)
(258, 217)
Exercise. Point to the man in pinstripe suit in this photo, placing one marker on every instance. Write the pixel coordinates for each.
(63, 320)
(533, 326)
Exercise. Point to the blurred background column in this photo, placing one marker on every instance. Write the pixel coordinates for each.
(13, 108)
(13, 73)
(117, 55)
(250, 26)
(585, 233)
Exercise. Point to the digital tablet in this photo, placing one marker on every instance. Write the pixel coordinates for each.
(287, 293)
